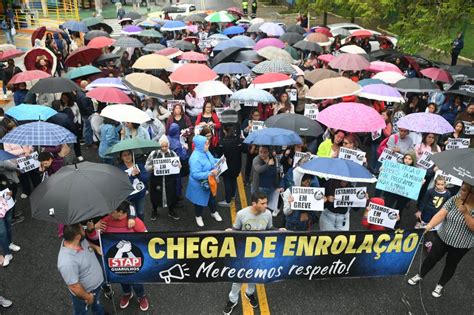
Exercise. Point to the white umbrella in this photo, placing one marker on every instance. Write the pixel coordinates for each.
(390, 77)
(125, 113)
(212, 88)
(353, 49)
(257, 21)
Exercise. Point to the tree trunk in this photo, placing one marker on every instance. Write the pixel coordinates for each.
(325, 18)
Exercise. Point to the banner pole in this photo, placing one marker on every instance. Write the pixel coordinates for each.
(105, 273)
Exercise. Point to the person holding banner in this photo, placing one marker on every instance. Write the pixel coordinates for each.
(163, 189)
(454, 238)
(334, 219)
(202, 166)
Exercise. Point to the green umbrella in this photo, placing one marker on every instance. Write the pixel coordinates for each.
(90, 21)
(150, 33)
(293, 52)
(138, 146)
(82, 71)
(220, 17)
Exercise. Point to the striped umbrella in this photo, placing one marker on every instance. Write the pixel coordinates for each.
(220, 17)
(252, 95)
(291, 38)
(274, 66)
(39, 133)
(231, 68)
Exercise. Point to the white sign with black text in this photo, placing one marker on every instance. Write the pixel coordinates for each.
(166, 166)
(311, 111)
(351, 155)
(28, 163)
(390, 155)
(450, 179)
(425, 160)
(382, 216)
(221, 166)
(458, 143)
(257, 125)
(350, 197)
(299, 155)
(307, 198)
(468, 128)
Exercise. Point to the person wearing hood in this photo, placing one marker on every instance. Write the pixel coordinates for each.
(163, 189)
(179, 145)
(302, 89)
(202, 167)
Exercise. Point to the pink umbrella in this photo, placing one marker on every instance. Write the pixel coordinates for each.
(437, 74)
(349, 62)
(327, 58)
(100, 42)
(381, 66)
(321, 39)
(109, 95)
(275, 42)
(192, 73)
(323, 30)
(272, 80)
(351, 117)
(170, 52)
(12, 53)
(362, 33)
(28, 76)
(193, 56)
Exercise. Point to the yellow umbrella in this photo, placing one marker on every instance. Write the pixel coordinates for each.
(152, 62)
(333, 88)
(148, 85)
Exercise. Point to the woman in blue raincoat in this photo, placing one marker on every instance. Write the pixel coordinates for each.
(202, 165)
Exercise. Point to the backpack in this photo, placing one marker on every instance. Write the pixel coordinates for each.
(383, 145)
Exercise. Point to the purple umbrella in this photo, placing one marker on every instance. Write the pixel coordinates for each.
(425, 123)
(275, 42)
(351, 62)
(132, 29)
(381, 92)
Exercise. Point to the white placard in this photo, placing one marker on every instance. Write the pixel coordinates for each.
(292, 95)
(450, 179)
(8, 200)
(221, 166)
(458, 143)
(307, 198)
(172, 103)
(382, 216)
(251, 104)
(350, 197)
(468, 128)
(376, 134)
(28, 163)
(166, 166)
(311, 111)
(299, 155)
(257, 125)
(351, 155)
(390, 155)
(425, 160)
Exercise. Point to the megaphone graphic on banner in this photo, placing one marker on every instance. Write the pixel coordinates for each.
(176, 272)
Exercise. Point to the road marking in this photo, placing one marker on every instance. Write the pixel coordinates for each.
(261, 293)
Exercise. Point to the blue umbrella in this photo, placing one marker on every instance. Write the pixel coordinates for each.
(231, 68)
(39, 133)
(4, 155)
(338, 169)
(30, 112)
(247, 41)
(253, 95)
(76, 26)
(227, 44)
(370, 81)
(273, 136)
(82, 71)
(173, 26)
(218, 36)
(234, 30)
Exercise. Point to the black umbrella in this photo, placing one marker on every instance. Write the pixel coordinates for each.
(102, 27)
(55, 85)
(468, 71)
(248, 56)
(300, 124)
(106, 58)
(225, 54)
(382, 54)
(184, 45)
(291, 38)
(459, 163)
(80, 192)
(416, 85)
(153, 47)
(296, 28)
(132, 15)
(95, 33)
(307, 45)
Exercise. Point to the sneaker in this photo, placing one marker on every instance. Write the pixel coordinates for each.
(216, 216)
(4, 302)
(23, 196)
(252, 300)
(18, 220)
(125, 300)
(108, 291)
(154, 215)
(438, 291)
(199, 221)
(80, 158)
(7, 259)
(143, 301)
(14, 247)
(223, 204)
(414, 280)
(229, 307)
(173, 215)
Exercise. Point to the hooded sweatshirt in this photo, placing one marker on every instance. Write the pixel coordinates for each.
(175, 144)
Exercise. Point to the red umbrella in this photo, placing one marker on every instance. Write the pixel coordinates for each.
(323, 30)
(100, 42)
(170, 52)
(437, 74)
(10, 53)
(362, 33)
(82, 56)
(40, 59)
(193, 56)
(109, 95)
(320, 38)
(38, 34)
(235, 11)
(28, 76)
(272, 80)
(192, 73)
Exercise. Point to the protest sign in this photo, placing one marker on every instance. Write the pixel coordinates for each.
(166, 166)
(28, 163)
(382, 216)
(311, 111)
(307, 198)
(299, 155)
(172, 103)
(450, 179)
(425, 160)
(219, 111)
(9, 201)
(390, 155)
(292, 95)
(458, 143)
(468, 128)
(401, 179)
(253, 104)
(350, 197)
(255, 257)
(376, 134)
(257, 125)
(221, 166)
(351, 155)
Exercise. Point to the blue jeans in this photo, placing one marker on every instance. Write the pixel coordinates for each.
(81, 308)
(87, 131)
(139, 204)
(330, 221)
(10, 37)
(6, 232)
(4, 88)
(138, 288)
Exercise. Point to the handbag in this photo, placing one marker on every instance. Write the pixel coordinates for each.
(13, 31)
